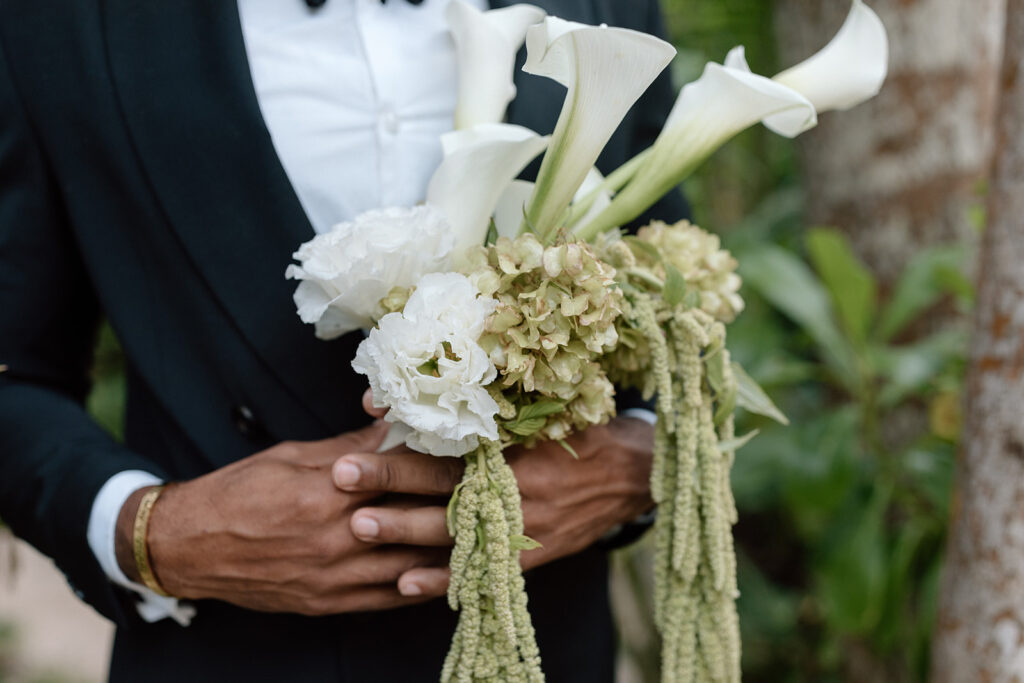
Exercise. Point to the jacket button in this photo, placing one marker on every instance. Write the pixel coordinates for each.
(245, 421)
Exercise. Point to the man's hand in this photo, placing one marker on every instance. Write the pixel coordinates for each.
(568, 504)
(272, 532)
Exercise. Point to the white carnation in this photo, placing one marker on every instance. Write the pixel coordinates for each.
(426, 366)
(347, 271)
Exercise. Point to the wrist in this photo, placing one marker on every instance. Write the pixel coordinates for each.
(124, 534)
(176, 561)
(634, 438)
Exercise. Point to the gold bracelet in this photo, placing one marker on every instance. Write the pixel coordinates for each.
(140, 546)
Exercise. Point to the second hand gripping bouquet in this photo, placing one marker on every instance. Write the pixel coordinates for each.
(503, 312)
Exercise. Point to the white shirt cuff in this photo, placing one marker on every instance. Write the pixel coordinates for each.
(102, 526)
(641, 414)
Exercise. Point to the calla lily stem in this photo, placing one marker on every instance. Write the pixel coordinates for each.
(612, 184)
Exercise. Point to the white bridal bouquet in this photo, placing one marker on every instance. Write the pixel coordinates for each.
(503, 312)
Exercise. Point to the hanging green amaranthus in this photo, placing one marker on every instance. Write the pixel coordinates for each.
(494, 639)
(695, 562)
(680, 287)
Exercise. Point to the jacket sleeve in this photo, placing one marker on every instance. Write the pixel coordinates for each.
(53, 457)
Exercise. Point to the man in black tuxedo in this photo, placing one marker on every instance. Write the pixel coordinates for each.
(138, 182)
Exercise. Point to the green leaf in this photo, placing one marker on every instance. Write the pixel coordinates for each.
(930, 467)
(752, 398)
(781, 369)
(792, 288)
(526, 427)
(726, 404)
(541, 408)
(737, 443)
(572, 451)
(929, 275)
(675, 286)
(913, 368)
(521, 542)
(725, 393)
(532, 418)
(853, 288)
(902, 580)
(852, 579)
(715, 367)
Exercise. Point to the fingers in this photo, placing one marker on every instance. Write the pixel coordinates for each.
(372, 599)
(427, 582)
(423, 526)
(324, 453)
(383, 565)
(368, 438)
(407, 472)
(372, 410)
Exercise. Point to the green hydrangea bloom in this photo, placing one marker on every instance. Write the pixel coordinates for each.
(556, 316)
(643, 262)
(708, 270)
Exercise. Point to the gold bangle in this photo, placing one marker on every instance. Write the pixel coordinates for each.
(140, 546)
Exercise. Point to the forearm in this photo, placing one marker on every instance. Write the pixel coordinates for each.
(53, 461)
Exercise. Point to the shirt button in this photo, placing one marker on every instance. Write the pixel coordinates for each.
(245, 421)
(389, 121)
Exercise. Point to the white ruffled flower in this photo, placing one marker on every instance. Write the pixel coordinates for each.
(426, 366)
(347, 271)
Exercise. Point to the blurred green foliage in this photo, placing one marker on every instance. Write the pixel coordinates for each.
(106, 401)
(843, 513)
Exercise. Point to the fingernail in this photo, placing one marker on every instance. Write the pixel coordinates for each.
(410, 589)
(346, 474)
(365, 527)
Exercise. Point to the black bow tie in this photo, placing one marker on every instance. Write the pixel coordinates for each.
(317, 4)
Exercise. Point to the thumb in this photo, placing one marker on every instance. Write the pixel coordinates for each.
(366, 439)
(363, 440)
(370, 408)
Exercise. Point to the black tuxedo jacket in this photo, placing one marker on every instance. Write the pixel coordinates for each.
(138, 182)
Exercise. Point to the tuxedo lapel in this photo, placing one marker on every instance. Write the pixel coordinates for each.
(182, 77)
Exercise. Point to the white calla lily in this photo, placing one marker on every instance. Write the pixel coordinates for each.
(849, 70)
(605, 71)
(709, 111)
(728, 98)
(479, 163)
(508, 215)
(596, 195)
(486, 43)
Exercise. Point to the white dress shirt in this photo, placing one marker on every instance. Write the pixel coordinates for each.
(356, 96)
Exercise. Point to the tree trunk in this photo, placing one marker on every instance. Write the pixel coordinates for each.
(980, 633)
(903, 170)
